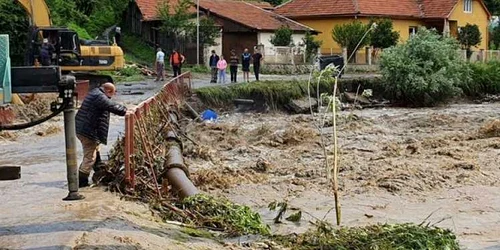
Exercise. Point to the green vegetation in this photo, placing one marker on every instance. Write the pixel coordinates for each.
(14, 22)
(424, 71)
(177, 25)
(218, 214)
(383, 35)
(92, 16)
(282, 37)
(469, 36)
(275, 93)
(127, 74)
(351, 35)
(137, 50)
(493, 6)
(312, 46)
(484, 79)
(381, 236)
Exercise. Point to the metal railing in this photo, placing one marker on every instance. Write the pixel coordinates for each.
(172, 93)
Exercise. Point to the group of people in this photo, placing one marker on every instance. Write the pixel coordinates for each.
(219, 65)
(176, 61)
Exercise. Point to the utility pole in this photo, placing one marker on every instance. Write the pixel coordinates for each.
(198, 32)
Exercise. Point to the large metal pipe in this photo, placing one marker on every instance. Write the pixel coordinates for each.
(176, 171)
(71, 162)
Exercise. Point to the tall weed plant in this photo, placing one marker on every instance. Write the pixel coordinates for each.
(484, 79)
(424, 71)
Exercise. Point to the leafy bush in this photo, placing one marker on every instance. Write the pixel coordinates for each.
(424, 71)
(82, 33)
(312, 45)
(484, 79)
(282, 37)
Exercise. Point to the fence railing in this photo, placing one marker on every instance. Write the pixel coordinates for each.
(172, 93)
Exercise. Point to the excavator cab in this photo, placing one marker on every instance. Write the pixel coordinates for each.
(66, 44)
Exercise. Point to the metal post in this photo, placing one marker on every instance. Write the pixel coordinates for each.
(71, 164)
(198, 32)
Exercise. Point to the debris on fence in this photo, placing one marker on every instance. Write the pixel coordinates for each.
(155, 172)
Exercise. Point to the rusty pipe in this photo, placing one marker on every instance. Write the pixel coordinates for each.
(176, 171)
(177, 174)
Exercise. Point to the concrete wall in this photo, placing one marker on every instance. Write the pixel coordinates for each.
(265, 38)
(208, 50)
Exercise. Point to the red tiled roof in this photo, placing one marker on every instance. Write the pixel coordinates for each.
(408, 8)
(392, 8)
(297, 8)
(438, 9)
(149, 8)
(249, 15)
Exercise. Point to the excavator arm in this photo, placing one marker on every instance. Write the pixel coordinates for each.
(38, 11)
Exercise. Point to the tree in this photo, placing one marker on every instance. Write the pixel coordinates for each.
(350, 36)
(493, 6)
(424, 71)
(383, 35)
(209, 31)
(14, 22)
(282, 36)
(311, 44)
(175, 21)
(495, 37)
(469, 36)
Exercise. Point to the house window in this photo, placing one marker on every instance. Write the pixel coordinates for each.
(468, 6)
(412, 30)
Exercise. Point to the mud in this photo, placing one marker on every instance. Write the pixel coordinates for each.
(396, 165)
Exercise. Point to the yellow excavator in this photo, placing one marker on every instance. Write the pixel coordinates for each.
(76, 57)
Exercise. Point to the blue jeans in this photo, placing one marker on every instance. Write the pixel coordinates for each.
(222, 76)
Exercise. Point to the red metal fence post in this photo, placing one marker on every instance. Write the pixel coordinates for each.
(127, 148)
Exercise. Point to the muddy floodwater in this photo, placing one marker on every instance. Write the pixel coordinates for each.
(397, 165)
(438, 166)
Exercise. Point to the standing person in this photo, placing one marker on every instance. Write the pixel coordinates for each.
(92, 125)
(233, 62)
(221, 66)
(160, 64)
(257, 58)
(118, 35)
(176, 60)
(245, 64)
(46, 52)
(214, 59)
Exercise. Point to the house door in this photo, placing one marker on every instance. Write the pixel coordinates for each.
(238, 41)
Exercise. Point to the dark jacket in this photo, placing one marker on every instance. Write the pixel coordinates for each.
(92, 120)
(213, 61)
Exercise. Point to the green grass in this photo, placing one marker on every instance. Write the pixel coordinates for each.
(137, 50)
